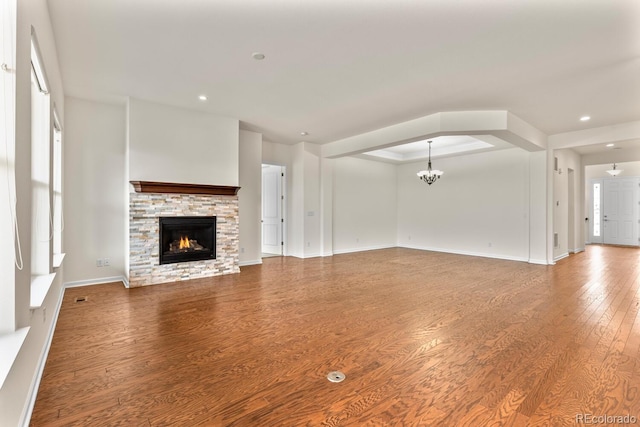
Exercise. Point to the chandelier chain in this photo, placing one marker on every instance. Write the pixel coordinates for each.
(430, 175)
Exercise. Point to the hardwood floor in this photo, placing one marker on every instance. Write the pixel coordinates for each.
(424, 339)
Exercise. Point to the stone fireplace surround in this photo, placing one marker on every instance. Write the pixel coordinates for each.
(153, 200)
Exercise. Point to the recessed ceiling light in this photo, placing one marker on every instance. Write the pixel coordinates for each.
(585, 118)
(610, 145)
(202, 97)
(258, 56)
(304, 133)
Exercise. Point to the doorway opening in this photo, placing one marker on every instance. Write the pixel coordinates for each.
(273, 202)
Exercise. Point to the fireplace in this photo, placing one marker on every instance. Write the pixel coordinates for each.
(150, 201)
(187, 238)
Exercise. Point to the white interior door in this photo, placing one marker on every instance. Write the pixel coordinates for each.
(620, 211)
(272, 219)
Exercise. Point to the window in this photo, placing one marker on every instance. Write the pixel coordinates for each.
(58, 216)
(40, 170)
(596, 209)
(42, 219)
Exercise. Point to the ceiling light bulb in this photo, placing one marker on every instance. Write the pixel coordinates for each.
(610, 145)
(304, 133)
(258, 56)
(585, 118)
(202, 97)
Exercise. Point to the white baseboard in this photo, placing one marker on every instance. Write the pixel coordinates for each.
(362, 249)
(561, 256)
(99, 281)
(577, 250)
(35, 383)
(253, 262)
(304, 256)
(467, 253)
(312, 255)
(538, 261)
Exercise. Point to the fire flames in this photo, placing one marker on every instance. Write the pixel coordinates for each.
(184, 242)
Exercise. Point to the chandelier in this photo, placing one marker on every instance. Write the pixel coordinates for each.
(430, 175)
(614, 171)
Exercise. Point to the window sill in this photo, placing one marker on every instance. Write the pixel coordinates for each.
(10, 345)
(57, 260)
(40, 286)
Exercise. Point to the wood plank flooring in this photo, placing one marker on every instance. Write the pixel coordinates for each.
(424, 338)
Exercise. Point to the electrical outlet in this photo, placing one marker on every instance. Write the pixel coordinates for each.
(241, 250)
(106, 262)
(99, 262)
(308, 244)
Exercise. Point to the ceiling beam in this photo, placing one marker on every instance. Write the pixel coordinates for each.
(601, 135)
(501, 124)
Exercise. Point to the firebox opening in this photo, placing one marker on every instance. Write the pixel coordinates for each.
(187, 238)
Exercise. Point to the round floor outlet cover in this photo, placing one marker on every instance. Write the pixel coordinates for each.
(336, 376)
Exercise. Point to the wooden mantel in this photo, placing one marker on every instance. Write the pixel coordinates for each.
(170, 187)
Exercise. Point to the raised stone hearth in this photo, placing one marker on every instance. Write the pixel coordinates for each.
(145, 209)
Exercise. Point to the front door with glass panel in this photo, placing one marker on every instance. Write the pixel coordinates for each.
(614, 211)
(620, 211)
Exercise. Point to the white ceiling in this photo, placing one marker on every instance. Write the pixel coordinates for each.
(442, 146)
(338, 68)
(602, 148)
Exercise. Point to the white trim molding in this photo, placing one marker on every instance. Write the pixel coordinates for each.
(367, 248)
(538, 261)
(252, 262)
(99, 281)
(10, 345)
(561, 256)
(35, 383)
(467, 253)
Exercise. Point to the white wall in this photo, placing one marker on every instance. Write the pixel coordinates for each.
(7, 168)
(538, 209)
(480, 206)
(312, 212)
(295, 237)
(249, 197)
(169, 144)
(364, 205)
(326, 205)
(304, 215)
(94, 208)
(496, 197)
(567, 159)
(16, 393)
